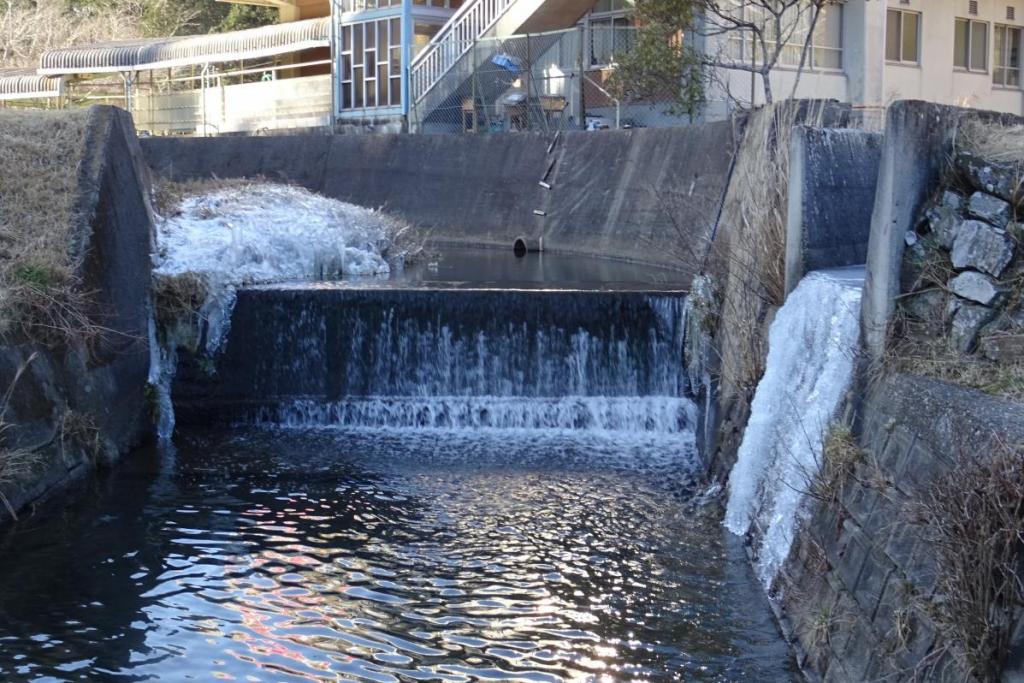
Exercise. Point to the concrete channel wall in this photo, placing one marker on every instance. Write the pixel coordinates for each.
(856, 594)
(855, 591)
(832, 177)
(83, 403)
(645, 195)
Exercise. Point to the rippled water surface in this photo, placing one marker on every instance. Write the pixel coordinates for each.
(271, 556)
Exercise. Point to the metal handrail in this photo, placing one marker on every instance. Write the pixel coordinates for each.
(618, 104)
(454, 40)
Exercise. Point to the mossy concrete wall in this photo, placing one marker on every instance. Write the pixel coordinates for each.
(81, 404)
(646, 195)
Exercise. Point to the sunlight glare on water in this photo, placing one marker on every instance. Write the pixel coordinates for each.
(267, 555)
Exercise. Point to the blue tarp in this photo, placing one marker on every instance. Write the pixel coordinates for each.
(507, 62)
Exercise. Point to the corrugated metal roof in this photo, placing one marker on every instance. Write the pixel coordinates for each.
(164, 53)
(26, 84)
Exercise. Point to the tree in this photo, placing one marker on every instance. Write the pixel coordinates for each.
(30, 27)
(763, 30)
(661, 60)
(158, 18)
(681, 45)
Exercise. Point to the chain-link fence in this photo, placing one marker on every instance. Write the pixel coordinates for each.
(540, 82)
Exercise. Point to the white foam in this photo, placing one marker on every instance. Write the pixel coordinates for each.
(812, 346)
(264, 233)
(627, 414)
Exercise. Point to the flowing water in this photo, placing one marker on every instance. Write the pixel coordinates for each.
(401, 483)
(267, 555)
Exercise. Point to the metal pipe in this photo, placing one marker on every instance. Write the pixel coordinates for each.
(336, 50)
(203, 74)
(618, 105)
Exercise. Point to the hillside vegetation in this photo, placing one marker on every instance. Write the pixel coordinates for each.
(30, 27)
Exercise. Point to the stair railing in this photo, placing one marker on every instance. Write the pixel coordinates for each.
(454, 40)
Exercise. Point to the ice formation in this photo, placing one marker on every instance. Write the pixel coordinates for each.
(812, 346)
(264, 233)
(255, 234)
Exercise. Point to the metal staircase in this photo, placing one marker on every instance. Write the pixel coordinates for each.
(448, 61)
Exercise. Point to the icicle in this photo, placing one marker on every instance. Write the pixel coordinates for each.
(812, 346)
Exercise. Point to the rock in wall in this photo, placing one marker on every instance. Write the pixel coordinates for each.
(917, 146)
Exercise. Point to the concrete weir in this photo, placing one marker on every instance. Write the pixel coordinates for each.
(328, 344)
(645, 195)
(515, 346)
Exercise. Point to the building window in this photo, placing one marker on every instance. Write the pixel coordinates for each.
(371, 64)
(826, 46)
(1007, 40)
(970, 45)
(422, 34)
(610, 36)
(612, 30)
(360, 5)
(450, 4)
(828, 38)
(903, 37)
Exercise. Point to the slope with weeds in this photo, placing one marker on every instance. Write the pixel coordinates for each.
(40, 158)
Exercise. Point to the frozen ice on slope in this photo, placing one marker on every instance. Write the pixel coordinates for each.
(264, 233)
(812, 346)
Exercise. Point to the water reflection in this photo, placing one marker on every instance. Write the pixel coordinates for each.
(274, 556)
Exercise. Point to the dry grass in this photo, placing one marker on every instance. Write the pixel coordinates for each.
(15, 463)
(750, 256)
(994, 142)
(40, 157)
(935, 358)
(79, 430)
(168, 195)
(975, 523)
(840, 458)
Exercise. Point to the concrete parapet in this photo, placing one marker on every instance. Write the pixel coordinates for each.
(832, 178)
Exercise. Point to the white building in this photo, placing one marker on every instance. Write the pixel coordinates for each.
(450, 65)
(873, 52)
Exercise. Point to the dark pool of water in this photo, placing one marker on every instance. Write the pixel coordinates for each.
(468, 268)
(273, 556)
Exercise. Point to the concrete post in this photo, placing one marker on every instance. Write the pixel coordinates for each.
(918, 141)
(864, 56)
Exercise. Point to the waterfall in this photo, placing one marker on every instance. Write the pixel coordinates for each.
(349, 357)
(812, 345)
(656, 414)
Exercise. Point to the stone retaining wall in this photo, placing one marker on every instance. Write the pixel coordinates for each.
(851, 590)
